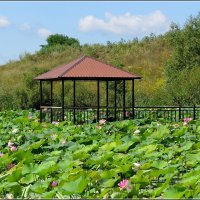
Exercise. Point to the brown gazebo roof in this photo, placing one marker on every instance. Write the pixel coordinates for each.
(86, 68)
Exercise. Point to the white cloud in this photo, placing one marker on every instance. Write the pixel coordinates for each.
(4, 22)
(127, 23)
(25, 27)
(43, 32)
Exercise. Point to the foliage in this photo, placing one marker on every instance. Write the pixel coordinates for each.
(59, 40)
(146, 159)
(168, 64)
(186, 45)
(144, 57)
(185, 61)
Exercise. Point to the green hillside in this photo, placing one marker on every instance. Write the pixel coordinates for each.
(169, 65)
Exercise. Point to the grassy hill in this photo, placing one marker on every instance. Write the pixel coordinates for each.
(146, 57)
(169, 65)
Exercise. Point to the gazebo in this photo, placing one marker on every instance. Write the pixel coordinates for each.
(86, 69)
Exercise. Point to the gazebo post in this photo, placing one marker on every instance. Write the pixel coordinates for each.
(133, 99)
(63, 110)
(98, 102)
(51, 99)
(106, 100)
(74, 101)
(124, 100)
(41, 99)
(115, 97)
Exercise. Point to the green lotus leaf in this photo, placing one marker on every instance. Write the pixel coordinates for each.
(40, 186)
(45, 168)
(29, 178)
(37, 144)
(109, 146)
(75, 187)
(123, 147)
(108, 183)
(159, 164)
(65, 165)
(174, 192)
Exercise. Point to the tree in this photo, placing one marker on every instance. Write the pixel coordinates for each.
(60, 40)
(184, 61)
(186, 47)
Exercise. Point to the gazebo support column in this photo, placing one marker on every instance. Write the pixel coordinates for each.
(106, 100)
(124, 98)
(98, 102)
(74, 101)
(51, 99)
(115, 97)
(41, 100)
(63, 98)
(133, 100)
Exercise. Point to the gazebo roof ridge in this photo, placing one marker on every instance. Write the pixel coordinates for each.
(87, 68)
(76, 63)
(112, 66)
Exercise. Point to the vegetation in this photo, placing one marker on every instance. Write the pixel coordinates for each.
(168, 63)
(124, 159)
(60, 42)
(184, 65)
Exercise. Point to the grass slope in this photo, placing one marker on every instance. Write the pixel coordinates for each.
(146, 57)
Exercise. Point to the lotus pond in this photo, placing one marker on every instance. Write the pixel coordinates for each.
(127, 159)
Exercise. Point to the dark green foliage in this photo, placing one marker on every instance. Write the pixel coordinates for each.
(59, 41)
(160, 160)
(186, 45)
(183, 68)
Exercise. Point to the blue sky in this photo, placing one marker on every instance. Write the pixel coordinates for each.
(24, 26)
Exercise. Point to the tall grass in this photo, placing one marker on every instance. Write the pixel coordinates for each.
(146, 57)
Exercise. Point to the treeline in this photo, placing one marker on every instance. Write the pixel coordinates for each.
(168, 63)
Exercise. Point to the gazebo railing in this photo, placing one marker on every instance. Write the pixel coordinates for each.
(80, 115)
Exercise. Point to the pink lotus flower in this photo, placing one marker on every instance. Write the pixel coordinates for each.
(176, 125)
(15, 130)
(10, 166)
(124, 184)
(99, 127)
(9, 196)
(137, 131)
(13, 148)
(10, 144)
(56, 123)
(30, 115)
(54, 183)
(102, 122)
(186, 120)
(64, 142)
(127, 114)
(136, 164)
(1, 155)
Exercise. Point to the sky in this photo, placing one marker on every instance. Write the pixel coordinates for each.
(24, 26)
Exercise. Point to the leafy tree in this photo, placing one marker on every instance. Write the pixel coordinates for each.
(184, 61)
(186, 47)
(60, 40)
